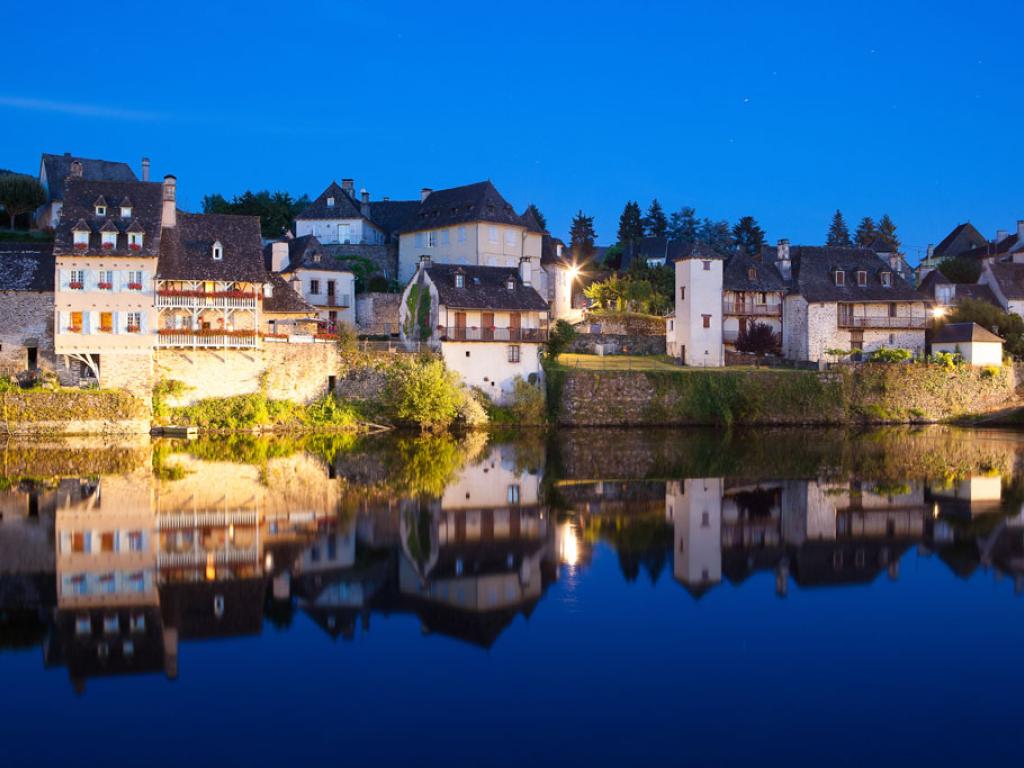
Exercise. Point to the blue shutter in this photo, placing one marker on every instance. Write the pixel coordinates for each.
(65, 280)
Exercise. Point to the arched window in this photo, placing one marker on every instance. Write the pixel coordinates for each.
(218, 251)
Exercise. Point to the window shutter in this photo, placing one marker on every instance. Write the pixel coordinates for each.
(87, 322)
(65, 280)
(62, 321)
(143, 322)
(116, 320)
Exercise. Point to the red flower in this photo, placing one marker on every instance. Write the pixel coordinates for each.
(106, 286)
(134, 286)
(135, 246)
(75, 286)
(134, 329)
(81, 246)
(108, 246)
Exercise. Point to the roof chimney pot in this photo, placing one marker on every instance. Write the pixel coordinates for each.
(145, 169)
(169, 214)
(425, 193)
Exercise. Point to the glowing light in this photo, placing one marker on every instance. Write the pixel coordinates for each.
(938, 312)
(569, 544)
(574, 271)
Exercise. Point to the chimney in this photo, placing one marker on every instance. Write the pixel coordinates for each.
(279, 256)
(1001, 234)
(76, 168)
(425, 193)
(525, 270)
(386, 199)
(145, 169)
(783, 262)
(169, 215)
(364, 203)
(425, 261)
(349, 185)
(931, 252)
(1020, 230)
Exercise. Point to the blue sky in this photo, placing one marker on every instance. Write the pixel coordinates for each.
(785, 111)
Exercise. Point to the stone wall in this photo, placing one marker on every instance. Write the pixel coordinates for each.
(617, 344)
(377, 313)
(623, 323)
(26, 320)
(854, 395)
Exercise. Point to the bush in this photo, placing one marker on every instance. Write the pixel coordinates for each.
(1006, 324)
(890, 355)
(526, 406)
(948, 360)
(559, 339)
(347, 339)
(422, 392)
(759, 339)
(472, 412)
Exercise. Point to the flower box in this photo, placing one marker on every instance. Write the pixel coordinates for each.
(135, 247)
(134, 286)
(75, 286)
(106, 286)
(81, 246)
(74, 329)
(133, 329)
(108, 246)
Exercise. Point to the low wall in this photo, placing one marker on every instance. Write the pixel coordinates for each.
(862, 394)
(617, 344)
(72, 412)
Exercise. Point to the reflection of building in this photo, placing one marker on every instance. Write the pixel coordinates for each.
(694, 507)
(969, 496)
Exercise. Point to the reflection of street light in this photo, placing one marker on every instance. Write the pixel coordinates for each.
(569, 544)
(938, 313)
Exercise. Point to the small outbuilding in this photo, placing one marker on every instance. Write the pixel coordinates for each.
(976, 345)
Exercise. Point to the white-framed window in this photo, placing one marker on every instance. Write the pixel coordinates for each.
(513, 353)
(111, 626)
(101, 210)
(707, 266)
(460, 280)
(840, 277)
(862, 278)
(81, 236)
(445, 237)
(135, 241)
(77, 282)
(108, 240)
(512, 494)
(134, 541)
(431, 239)
(314, 287)
(492, 234)
(134, 280)
(330, 202)
(134, 322)
(105, 280)
(887, 279)
(126, 211)
(218, 251)
(511, 283)
(344, 233)
(462, 234)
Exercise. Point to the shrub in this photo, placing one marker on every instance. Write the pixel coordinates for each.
(422, 392)
(990, 371)
(948, 360)
(890, 355)
(472, 412)
(559, 339)
(347, 339)
(526, 406)
(1006, 324)
(759, 339)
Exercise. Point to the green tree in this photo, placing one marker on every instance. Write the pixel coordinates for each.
(715, 234)
(684, 225)
(960, 269)
(277, 210)
(887, 232)
(759, 339)
(20, 194)
(748, 235)
(866, 232)
(531, 208)
(422, 392)
(559, 339)
(655, 222)
(1006, 324)
(631, 225)
(838, 232)
(582, 236)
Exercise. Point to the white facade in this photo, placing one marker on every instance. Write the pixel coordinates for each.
(694, 508)
(491, 365)
(472, 244)
(331, 231)
(696, 328)
(332, 292)
(973, 352)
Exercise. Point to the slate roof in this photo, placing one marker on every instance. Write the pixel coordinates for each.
(284, 299)
(1010, 278)
(58, 168)
(485, 288)
(26, 267)
(530, 222)
(988, 250)
(966, 233)
(549, 250)
(736, 275)
(187, 250)
(653, 248)
(932, 280)
(459, 205)
(977, 292)
(344, 206)
(958, 333)
(80, 194)
(393, 215)
(813, 275)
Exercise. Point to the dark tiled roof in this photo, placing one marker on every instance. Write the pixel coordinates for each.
(393, 215)
(530, 221)
(80, 194)
(187, 252)
(26, 267)
(962, 238)
(814, 268)
(58, 168)
(344, 206)
(736, 275)
(485, 288)
(932, 280)
(953, 333)
(1010, 278)
(307, 252)
(992, 249)
(975, 291)
(284, 299)
(458, 205)
(549, 250)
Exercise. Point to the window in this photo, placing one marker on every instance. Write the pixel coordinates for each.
(135, 241)
(892, 310)
(462, 234)
(705, 520)
(106, 322)
(887, 279)
(218, 251)
(314, 287)
(762, 298)
(418, 237)
(135, 541)
(330, 202)
(492, 234)
(332, 317)
(444, 237)
(81, 238)
(513, 494)
(75, 322)
(108, 240)
(134, 280)
(513, 353)
(460, 280)
(344, 233)
(862, 278)
(840, 277)
(107, 542)
(126, 211)
(707, 320)
(330, 288)
(133, 324)
(511, 283)
(682, 293)
(707, 266)
(138, 622)
(671, 325)
(101, 210)
(106, 280)
(510, 236)
(432, 239)
(111, 626)
(752, 273)
(83, 625)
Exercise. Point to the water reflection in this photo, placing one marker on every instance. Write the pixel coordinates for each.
(113, 559)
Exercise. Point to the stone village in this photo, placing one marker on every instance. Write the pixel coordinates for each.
(132, 290)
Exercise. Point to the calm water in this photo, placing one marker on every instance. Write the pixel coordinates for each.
(606, 597)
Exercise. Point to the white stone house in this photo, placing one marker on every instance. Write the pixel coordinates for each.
(325, 282)
(694, 333)
(336, 216)
(489, 323)
(753, 294)
(976, 345)
(1006, 281)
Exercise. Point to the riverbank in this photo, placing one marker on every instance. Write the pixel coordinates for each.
(864, 394)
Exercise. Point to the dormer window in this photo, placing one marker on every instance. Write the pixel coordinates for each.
(268, 291)
(752, 273)
(511, 283)
(887, 279)
(218, 251)
(840, 277)
(460, 280)
(81, 235)
(100, 206)
(108, 240)
(330, 202)
(135, 241)
(862, 278)
(126, 211)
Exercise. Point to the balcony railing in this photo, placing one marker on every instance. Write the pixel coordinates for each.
(206, 340)
(200, 300)
(496, 334)
(343, 301)
(198, 559)
(847, 320)
(216, 519)
(750, 308)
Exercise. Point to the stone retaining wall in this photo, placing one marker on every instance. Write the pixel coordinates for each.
(617, 344)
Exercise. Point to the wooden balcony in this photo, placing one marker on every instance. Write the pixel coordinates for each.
(883, 322)
(538, 335)
(185, 339)
(738, 308)
(199, 300)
